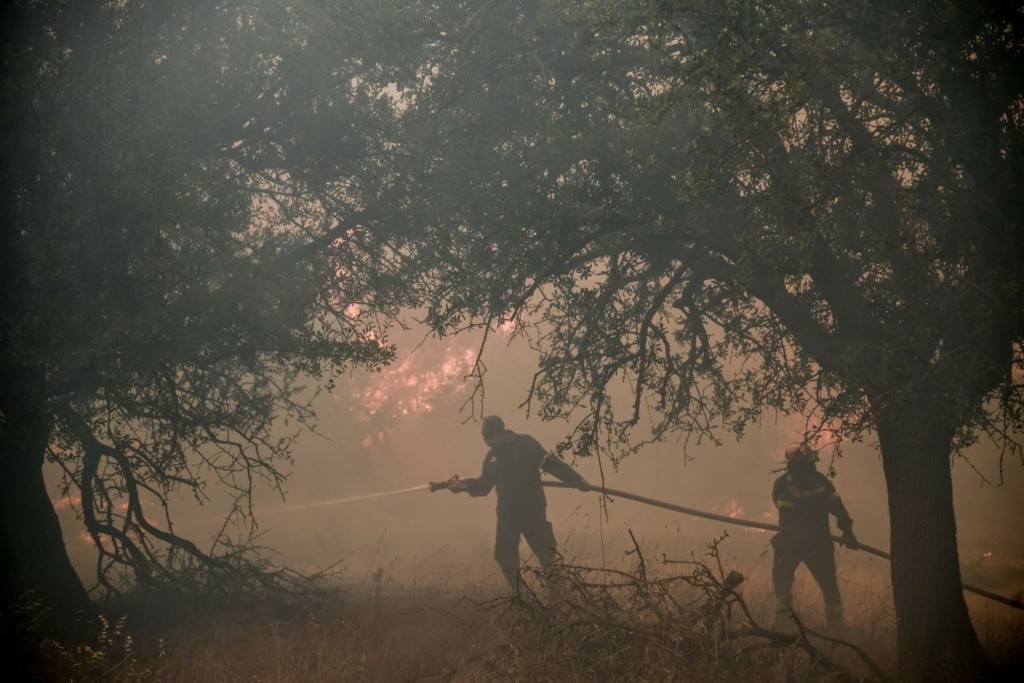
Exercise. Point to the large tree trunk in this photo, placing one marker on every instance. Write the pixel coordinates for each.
(34, 563)
(937, 641)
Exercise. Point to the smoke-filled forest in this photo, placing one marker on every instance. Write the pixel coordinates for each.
(527, 340)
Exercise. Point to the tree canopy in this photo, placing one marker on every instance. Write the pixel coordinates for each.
(162, 306)
(727, 207)
(741, 207)
(626, 171)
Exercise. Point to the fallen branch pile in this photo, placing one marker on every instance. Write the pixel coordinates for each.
(576, 622)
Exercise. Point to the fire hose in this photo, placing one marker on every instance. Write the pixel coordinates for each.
(751, 523)
(754, 524)
(725, 519)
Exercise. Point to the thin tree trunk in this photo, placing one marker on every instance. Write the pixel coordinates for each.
(937, 641)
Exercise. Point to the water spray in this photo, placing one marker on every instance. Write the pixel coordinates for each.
(348, 499)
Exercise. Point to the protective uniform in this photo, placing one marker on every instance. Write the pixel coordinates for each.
(513, 469)
(805, 498)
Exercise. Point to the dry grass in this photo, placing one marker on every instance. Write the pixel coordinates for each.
(655, 620)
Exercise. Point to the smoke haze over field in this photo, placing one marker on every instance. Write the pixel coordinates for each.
(403, 427)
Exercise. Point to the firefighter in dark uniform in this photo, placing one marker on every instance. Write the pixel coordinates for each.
(512, 467)
(805, 498)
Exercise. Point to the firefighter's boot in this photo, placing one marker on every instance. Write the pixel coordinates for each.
(784, 618)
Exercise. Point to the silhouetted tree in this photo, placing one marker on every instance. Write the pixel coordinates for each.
(161, 305)
(739, 207)
(727, 207)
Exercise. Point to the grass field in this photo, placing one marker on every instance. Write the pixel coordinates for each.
(649, 620)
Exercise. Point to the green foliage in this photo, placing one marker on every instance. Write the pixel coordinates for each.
(727, 209)
(169, 171)
(723, 209)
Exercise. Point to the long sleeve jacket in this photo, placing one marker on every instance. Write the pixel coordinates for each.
(513, 470)
(805, 499)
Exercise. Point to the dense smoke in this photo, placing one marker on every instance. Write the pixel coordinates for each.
(418, 421)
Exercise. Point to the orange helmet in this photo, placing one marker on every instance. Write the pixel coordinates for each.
(801, 453)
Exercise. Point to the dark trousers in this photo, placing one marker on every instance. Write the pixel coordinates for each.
(820, 559)
(532, 524)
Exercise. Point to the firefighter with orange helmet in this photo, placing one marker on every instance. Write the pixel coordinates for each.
(805, 498)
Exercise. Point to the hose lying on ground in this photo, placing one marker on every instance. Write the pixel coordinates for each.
(760, 525)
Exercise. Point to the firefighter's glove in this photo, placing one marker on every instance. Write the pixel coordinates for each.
(849, 540)
(455, 485)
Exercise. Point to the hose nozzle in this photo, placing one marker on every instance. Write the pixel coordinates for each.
(447, 484)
